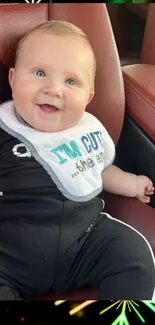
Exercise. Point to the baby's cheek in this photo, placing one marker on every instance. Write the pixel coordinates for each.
(78, 112)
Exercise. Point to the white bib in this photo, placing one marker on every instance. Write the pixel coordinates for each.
(74, 158)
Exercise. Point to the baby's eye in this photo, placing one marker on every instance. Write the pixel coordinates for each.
(70, 82)
(40, 73)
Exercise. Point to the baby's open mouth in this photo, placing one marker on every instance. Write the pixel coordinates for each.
(48, 108)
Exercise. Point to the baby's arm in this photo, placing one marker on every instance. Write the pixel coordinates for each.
(117, 181)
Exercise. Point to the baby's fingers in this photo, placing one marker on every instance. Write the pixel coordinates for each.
(150, 187)
(146, 199)
(149, 191)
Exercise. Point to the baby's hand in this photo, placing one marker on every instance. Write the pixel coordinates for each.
(145, 188)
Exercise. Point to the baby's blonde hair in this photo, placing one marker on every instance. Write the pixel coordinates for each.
(59, 28)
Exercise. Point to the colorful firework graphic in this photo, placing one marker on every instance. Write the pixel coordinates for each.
(120, 312)
(124, 306)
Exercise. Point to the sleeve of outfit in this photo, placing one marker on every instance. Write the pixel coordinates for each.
(109, 150)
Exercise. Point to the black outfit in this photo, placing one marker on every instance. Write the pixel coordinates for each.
(49, 243)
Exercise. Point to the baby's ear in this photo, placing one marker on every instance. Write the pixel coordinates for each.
(11, 77)
(5, 90)
(91, 95)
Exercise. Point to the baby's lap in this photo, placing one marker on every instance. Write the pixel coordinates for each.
(110, 232)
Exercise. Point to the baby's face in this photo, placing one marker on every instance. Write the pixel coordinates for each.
(52, 81)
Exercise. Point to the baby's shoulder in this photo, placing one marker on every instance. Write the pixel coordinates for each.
(3, 136)
(90, 118)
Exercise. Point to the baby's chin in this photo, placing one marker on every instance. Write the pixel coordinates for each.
(50, 128)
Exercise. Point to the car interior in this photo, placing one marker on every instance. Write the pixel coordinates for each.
(128, 24)
(123, 40)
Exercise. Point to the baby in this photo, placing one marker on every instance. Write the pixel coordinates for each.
(55, 160)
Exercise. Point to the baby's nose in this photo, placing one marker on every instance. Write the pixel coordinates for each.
(54, 90)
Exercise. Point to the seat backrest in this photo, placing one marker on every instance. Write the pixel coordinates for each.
(148, 47)
(108, 104)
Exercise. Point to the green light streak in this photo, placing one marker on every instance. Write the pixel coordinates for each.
(104, 310)
(149, 304)
(138, 314)
(122, 317)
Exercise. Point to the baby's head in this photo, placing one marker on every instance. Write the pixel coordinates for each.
(53, 78)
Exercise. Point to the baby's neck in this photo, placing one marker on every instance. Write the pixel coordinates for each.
(20, 119)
